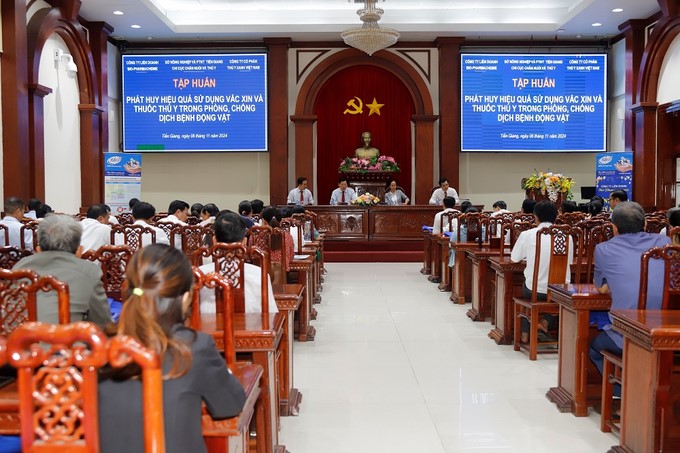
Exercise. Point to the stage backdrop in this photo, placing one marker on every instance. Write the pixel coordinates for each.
(358, 99)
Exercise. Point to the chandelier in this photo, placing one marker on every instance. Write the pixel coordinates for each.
(370, 37)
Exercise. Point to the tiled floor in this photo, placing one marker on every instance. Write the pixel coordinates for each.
(396, 367)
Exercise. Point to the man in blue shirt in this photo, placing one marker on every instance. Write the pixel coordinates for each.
(617, 271)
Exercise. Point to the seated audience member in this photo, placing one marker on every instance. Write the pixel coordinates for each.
(196, 210)
(59, 255)
(499, 207)
(42, 210)
(112, 218)
(230, 227)
(343, 194)
(142, 214)
(159, 281)
(673, 221)
(272, 216)
(245, 209)
(178, 212)
(96, 228)
(569, 206)
(307, 235)
(617, 197)
(208, 213)
(132, 203)
(525, 249)
(463, 233)
(301, 195)
(394, 196)
(617, 271)
(594, 209)
(258, 206)
(14, 212)
(528, 206)
(287, 213)
(32, 206)
(442, 192)
(439, 225)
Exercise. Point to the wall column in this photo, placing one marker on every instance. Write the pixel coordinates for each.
(278, 119)
(304, 151)
(634, 32)
(424, 144)
(36, 138)
(90, 155)
(449, 110)
(644, 155)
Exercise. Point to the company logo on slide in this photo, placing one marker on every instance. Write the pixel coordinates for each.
(113, 160)
(604, 160)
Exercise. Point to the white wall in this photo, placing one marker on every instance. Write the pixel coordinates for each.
(62, 130)
(669, 88)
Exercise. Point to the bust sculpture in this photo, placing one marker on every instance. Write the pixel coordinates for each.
(366, 151)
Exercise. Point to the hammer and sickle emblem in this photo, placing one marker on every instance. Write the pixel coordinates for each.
(357, 108)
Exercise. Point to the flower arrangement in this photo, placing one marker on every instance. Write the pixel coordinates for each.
(550, 184)
(366, 199)
(359, 165)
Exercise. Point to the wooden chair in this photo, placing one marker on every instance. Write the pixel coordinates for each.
(231, 434)
(561, 250)
(523, 217)
(193, 220)
(9, 256)
(612, 369)
(674, 234)
(31, 227)
(654, 224)
(125, 218)
(228, 260)
(167, 228)
(192, 237)
(18, 298)
(113, 260)
(57, 373)
(590, 237)
(570, 218)
(132, 235)
(513, 230)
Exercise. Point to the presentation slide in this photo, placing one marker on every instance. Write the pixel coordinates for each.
(194, 103)
(533, 103)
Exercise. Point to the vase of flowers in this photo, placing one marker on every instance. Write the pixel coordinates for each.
(553, 186)
(375, 164)
(366, 199)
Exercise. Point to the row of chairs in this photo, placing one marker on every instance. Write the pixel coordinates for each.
(57, 368)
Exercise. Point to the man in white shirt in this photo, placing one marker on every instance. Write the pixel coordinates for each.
(178, 212)
(32, 206)
(143, 213)
(444, 191)
(438, 227)
(230, 227)
(96, 228)
(525, 249)
(499, 207)
(301, 195)
(14, 212)
(343, 194)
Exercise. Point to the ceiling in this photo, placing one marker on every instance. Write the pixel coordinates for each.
(323, 20)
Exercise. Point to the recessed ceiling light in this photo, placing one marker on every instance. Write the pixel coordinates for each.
(149, 38)
(118, 13)
(578, 36)
(135, 26)
(617, 10)
(597, 24)
(560, 30)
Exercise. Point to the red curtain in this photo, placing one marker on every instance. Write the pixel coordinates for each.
(339, 131)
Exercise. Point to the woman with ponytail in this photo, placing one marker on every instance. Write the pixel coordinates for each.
(159, 280)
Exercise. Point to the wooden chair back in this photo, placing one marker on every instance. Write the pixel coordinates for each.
(654, 224)
(474, 224)
(524, 217)
(560, 248)
(260, 236)
(193, 220)
(448, 221)
(570, 218)
(586, 252)
(9, 256)
(57, 372)
(167, 228)
(192, 237)
(602, 232)
(670, 255)
(224, 307)
(512, 230)
(158, 216)
(113, 260)
(125, 218)
(308, 221)
(4, 231)
(132, 235)
(228, 261)
(31, 227)
(288, 224)
(674, 234)
(260, 258)
(18, 298)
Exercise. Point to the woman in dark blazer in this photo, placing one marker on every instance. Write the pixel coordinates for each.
(159, 281)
